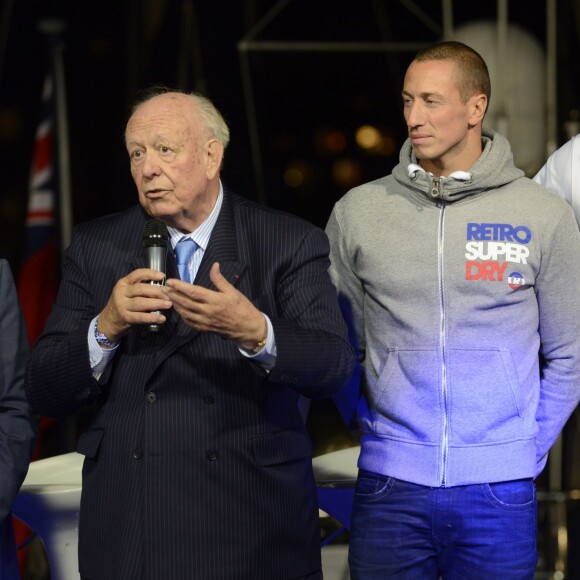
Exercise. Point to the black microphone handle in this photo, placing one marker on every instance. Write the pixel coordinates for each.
(155, 259)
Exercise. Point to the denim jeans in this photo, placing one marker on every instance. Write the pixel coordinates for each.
(470, 532)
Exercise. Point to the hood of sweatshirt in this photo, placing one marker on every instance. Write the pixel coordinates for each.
(494, 168)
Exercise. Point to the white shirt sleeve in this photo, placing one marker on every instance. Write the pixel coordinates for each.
(267, 354)
(561, 174)
(99, 357)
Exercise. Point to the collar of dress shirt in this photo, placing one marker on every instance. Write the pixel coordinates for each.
(202, 234)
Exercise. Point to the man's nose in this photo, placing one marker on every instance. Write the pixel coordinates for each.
(414, 115)
(150, 166)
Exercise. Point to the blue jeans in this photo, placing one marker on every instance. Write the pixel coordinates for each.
(470, 532)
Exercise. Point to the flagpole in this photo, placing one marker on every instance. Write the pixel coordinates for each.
(54, 28)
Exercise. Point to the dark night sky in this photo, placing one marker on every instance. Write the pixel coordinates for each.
(112, 49)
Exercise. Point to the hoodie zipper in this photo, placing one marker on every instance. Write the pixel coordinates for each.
(436, 193)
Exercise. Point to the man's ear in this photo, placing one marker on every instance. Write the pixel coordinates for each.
(214, 154)
(478, 109)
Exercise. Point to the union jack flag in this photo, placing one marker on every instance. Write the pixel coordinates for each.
(37, 281)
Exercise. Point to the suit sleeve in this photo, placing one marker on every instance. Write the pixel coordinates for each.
(59, 379)
(17, 426)
(313, 352)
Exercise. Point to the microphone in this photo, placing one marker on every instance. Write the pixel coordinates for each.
(155, 238)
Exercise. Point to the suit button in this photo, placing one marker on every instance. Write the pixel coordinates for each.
(151, 397)
(212, 455)
(209, 400)
(137, 454)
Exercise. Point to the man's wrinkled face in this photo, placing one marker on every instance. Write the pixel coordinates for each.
(166, 143)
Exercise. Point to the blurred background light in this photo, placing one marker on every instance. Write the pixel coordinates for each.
(346, 173)
(297, 174)
(368, 137)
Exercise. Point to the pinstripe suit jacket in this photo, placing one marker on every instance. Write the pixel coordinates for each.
(197, 463)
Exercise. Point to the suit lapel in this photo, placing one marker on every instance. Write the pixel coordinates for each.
(222, 248)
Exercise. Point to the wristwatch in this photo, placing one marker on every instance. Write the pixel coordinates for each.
(101, 338)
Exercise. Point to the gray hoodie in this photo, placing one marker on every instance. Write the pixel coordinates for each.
(453, 287)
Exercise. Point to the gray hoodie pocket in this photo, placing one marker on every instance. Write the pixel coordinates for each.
(406, 398)
(485, 399)
(481, 398)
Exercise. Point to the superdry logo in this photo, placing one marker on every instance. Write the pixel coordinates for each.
(489, 249)
(515, 280)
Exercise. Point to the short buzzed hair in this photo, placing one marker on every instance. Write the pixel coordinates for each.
(472, 73)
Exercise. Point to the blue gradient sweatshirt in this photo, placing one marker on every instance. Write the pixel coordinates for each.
(463, 296)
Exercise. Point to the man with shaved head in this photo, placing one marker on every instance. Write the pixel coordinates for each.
(459, 276)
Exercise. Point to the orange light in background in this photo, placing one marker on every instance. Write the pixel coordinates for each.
(293, 177)
(374, 140)
(346, 173)
(336, 141)
(368, 137)
(297, 174)
(330, 141)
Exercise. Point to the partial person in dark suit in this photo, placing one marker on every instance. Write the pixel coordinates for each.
(197, 464)
(17, 426)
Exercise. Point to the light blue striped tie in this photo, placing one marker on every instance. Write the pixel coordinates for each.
(183, 252)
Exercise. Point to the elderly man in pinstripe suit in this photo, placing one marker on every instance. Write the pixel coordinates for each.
(197, 463)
